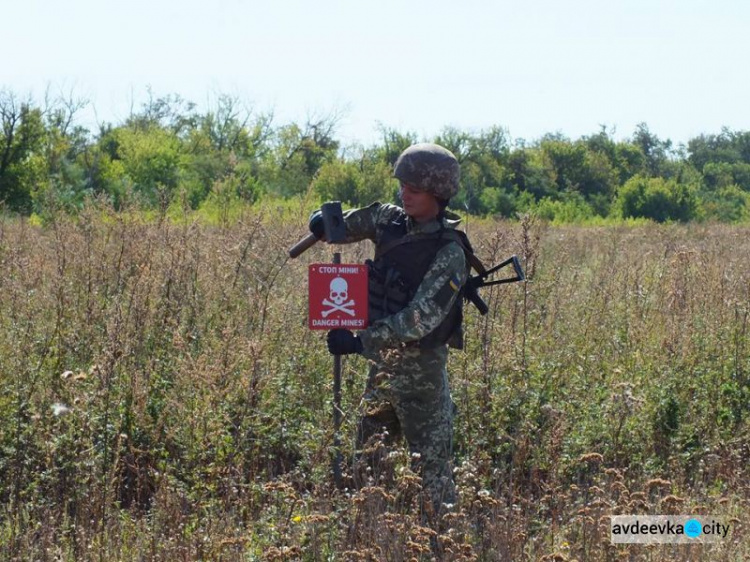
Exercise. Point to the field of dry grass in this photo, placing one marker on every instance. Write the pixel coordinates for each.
(161, 397)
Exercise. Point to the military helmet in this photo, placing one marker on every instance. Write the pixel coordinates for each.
(429, 167)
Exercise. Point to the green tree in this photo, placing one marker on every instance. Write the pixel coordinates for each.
(338, 180)
(105, 175)
(629, 161)
(723, 174)
(658, 199)
(378, 183)
(498, 201)
(656, 152)
(393, 143)
(22, 162)
(151, 159)
(297, 155)
(623, 158)
(483, 158)
(356, 183)
(576, 168)
(728, 146)
(564, 160)
(529, 174)
(170, 112)
(602, 143)
(66, 184)
(228, 139)
(571, 207)
(726, 204)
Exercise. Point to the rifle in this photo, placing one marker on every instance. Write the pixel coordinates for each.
(473, 284)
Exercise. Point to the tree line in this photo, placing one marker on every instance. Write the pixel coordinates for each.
(167, 152)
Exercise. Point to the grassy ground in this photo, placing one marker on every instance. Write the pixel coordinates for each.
(161, 397)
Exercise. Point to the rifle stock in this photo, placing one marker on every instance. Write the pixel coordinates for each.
(471, 294)
(473, 284)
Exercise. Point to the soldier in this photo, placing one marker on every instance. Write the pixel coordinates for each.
(415, 313)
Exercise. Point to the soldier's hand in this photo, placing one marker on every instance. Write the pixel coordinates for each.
(316, 224)
(343, 342)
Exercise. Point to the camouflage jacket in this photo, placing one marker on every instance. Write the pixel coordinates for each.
(436, 293)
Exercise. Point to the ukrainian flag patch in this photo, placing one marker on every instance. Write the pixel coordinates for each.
(446, 294)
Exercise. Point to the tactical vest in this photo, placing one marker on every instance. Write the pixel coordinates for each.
(401, 262)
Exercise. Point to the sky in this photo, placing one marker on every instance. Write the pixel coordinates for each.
(529, 66)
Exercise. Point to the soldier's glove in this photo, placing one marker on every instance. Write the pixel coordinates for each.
(343, 342)
(316, 224)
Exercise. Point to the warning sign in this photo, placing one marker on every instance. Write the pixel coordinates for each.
(337, 296)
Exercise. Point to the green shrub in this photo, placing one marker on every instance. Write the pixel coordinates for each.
(658, 199)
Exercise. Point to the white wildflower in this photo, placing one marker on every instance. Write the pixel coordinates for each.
(59, 409)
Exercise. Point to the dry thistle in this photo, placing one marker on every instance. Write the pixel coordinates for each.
(366, 555)
(591, 458)
(614, 472)
(282, 554)
(671, 503)
(556, 557)
(620, 486)
(415, 548)
(658, 483)
(671, 499)
(372, 496)
(599, 503)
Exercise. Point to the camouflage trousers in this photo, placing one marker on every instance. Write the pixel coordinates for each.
(407, 394)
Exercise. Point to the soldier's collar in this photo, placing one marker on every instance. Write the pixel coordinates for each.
(451, 220)
(428, 227)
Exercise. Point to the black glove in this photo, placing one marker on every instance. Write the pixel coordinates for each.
(316, 224)
(343, 342)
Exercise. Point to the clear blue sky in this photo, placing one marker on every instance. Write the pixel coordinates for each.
(533, 66)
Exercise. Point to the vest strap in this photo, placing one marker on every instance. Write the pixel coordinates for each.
(449, 233)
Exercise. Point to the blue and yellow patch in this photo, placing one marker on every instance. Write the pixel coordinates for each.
(447, 292)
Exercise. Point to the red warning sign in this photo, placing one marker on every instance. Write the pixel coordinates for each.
(337, 296)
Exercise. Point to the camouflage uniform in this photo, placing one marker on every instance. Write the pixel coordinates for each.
(407, 388)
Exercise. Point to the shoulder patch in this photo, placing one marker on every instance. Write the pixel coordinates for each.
(446, 293)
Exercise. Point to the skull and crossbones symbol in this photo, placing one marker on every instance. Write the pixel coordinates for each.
(338, 294)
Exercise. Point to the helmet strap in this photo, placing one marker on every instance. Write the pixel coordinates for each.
(443, 204)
